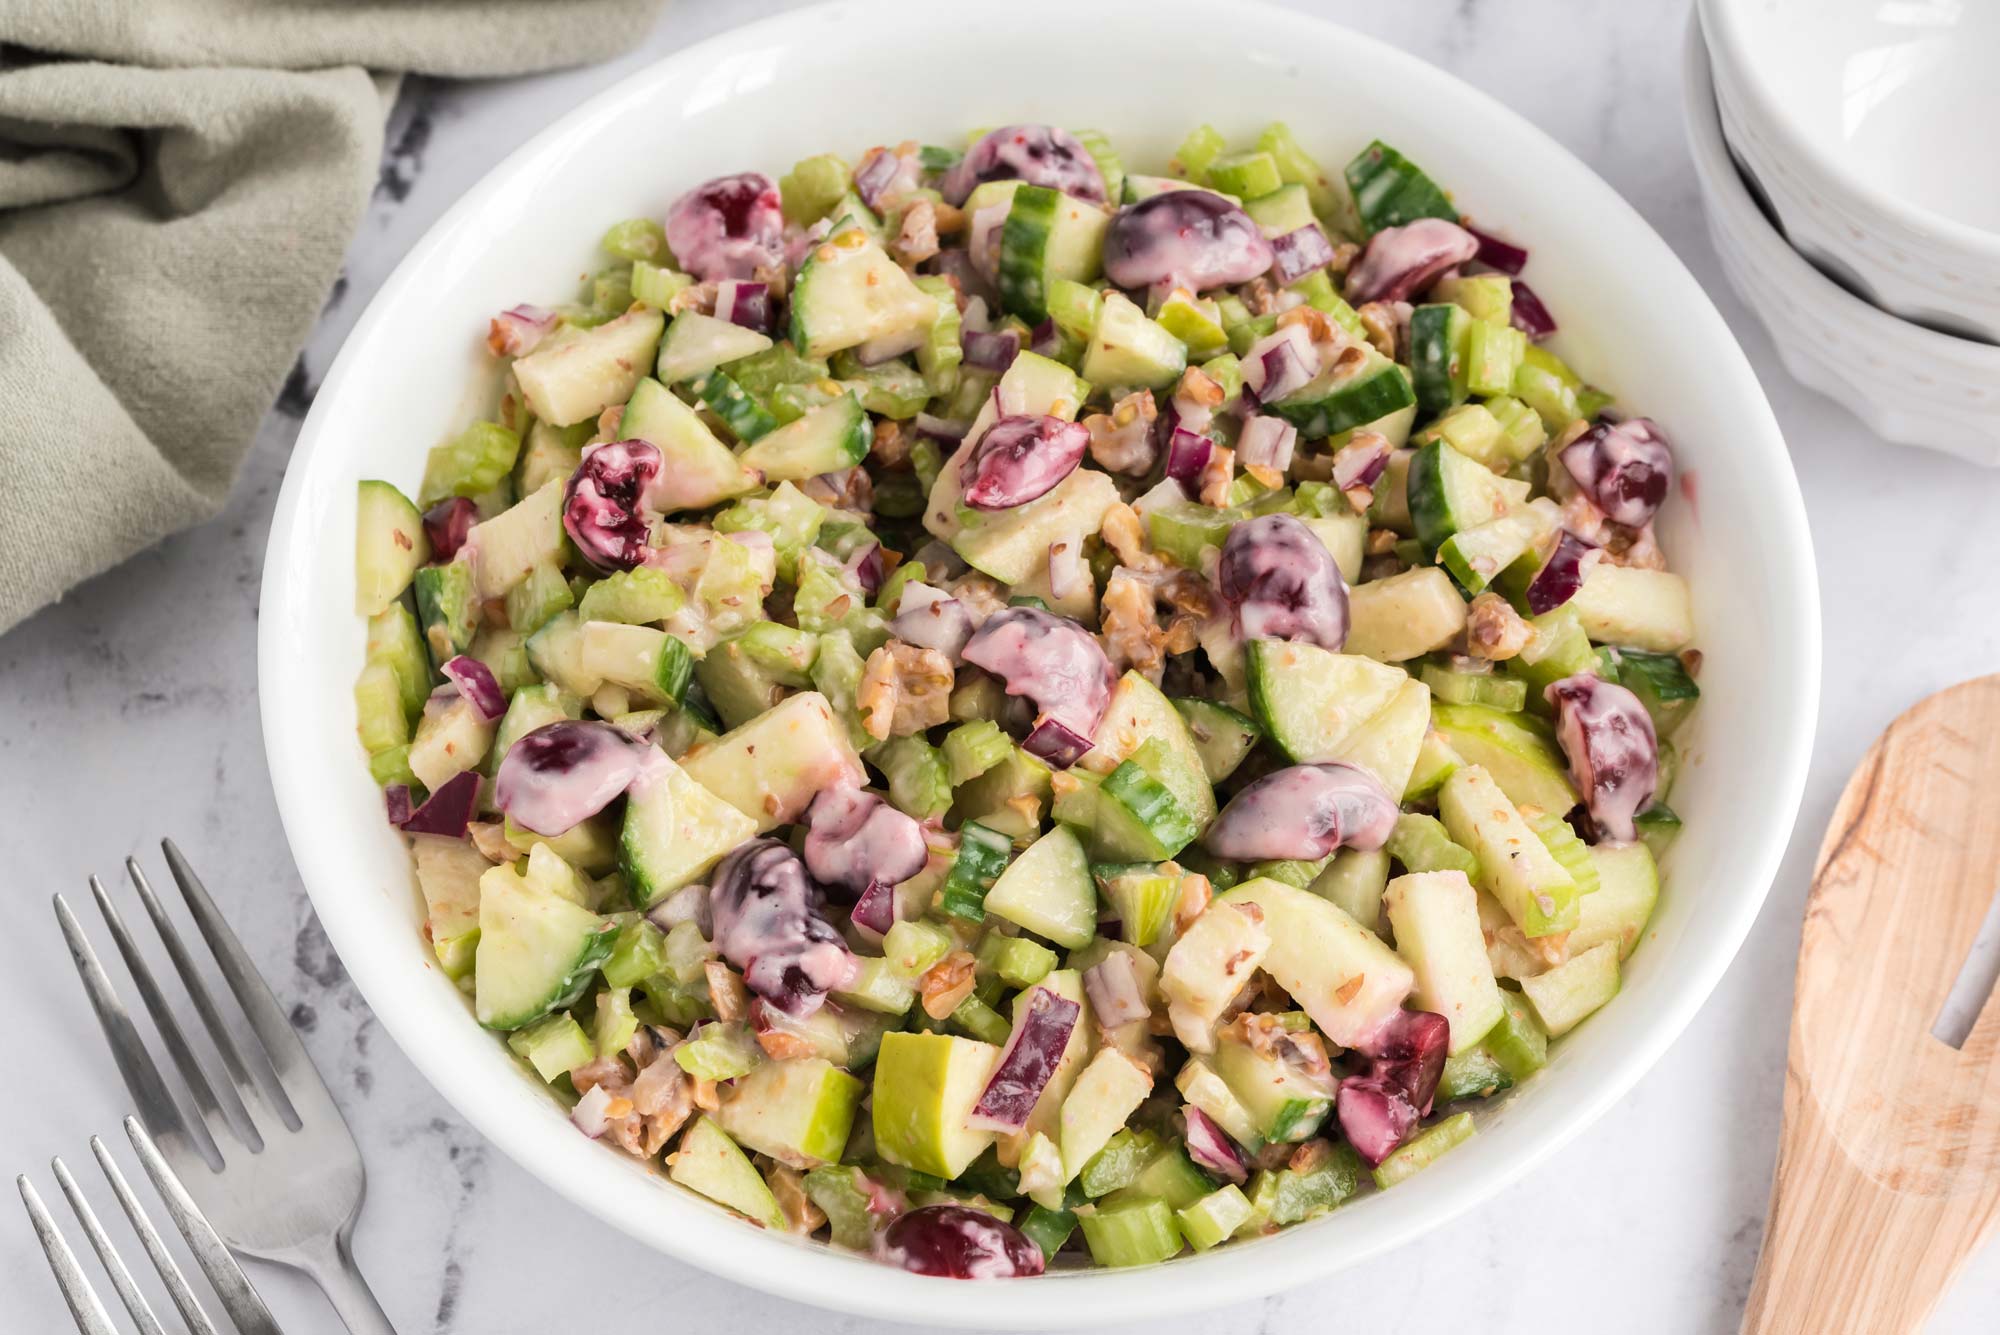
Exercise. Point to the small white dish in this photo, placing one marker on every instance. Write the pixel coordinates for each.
(1910, 384)
(768, 94)
(1861, 121)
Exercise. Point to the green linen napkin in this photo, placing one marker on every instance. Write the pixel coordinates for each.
(179, 180)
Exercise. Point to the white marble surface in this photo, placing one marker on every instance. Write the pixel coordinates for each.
(129, 711)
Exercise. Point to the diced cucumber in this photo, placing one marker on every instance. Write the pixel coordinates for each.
(389, 545)
(1127, 349)
(1476, 556)
(378, 709)
(1138, 819)
(1047, 236)
(1440, 340)
(1353, 882)
(1567, 994)
(1514, 866)
(1404, 616)
(1436, 918)
(1170, 1176)
(1449, 492)
(1389, 190)
(642, 596)
(570, 379)
(1245, 175)
(1286, 1105)
(1628, 886)
(746, 418)
(1435, 761)
(1345, 537)
(530, 708)
(1009, 797)
(536, 952)
(1222, 737)
(1452, 687)
(827, 439)
(674, 831)
(654, 665)
(709, 1162)
(394, 640)
(919, 782)
(1136, 1232)
(1139, 714)
(1518, 751)
(556, 650)
(504, 549)
(850, 292)
(448, 606)
(1048, 890)
(982, 857)
(798, 1111)
(1340, 400)
(1338, 971)
(1142, 894)
(449, 740)
(554, 1045)
(697, 469)
(1424, 1150)
(1310, 701)
(1662, 683)
(542, 593)
(1474, 1073)
(448, 872)
(697, 344)
(1631, 606)
(771, 768)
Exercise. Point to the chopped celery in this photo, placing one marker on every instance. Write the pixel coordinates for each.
(639, 952)
(378, 705)
(1203, 146)
(889, 596)
(1196, 323)
(611, 291)
(1226, 371)
(1304, 1193)
(836, 674)
(391, 765)
(1109, 165)
(541, 594)
(1214, 1218)
(927, 461)
(1119, 1163)
(475, 461)
(1564, 846)
(636, 239)
(1074, 307)
(1420, 844)
(1297, 167)
(1180, 530)
(1424, 1150)
(982, 856)
(980, 1021)
(813, 186)
(919, 783)
(1553, 401)
(973, 748)
(912, 946)
(1475, 688)
(1488, 296)
(1047, 1229)
(1139, 1232)
(1017, 961)
(554, 1045)
(657, 287)
(719, 1052)
(615, 1023)
(792, 518)
(688, 953)
(941, 354)
(636, 597)
(841, 1196)
(1318, 290)
(1290, 871)
(1518, 1042)
(763, 373)
(1473, 1073)
(892, 389)
(1245, 175)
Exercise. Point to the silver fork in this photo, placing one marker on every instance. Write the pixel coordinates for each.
(239, 1299)
(267, 1156)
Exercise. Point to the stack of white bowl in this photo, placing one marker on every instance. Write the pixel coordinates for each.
(1854, 195)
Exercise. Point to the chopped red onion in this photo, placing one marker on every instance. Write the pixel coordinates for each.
(1280, 363)
(866, 566)
(930, 618)
(1267, 442)
(1055, 743)
(516, 332)
(875, 910)
(1211, 1148)
(1530, 316)
(448, 811)
(396, 798)
(1046, 340)
(475, 681)
(744, 303)
(447, 524)
(1031, 1056)
(991, 350)
(982, 244)
(884, 172)
(1066, 568)
(1361, 462)
(1187, 455)
(1298, 253)
(592, 1112)
(1505, 256)
(1112, 985)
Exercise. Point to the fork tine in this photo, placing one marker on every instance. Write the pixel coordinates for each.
(243, 1094)
(142, 1078)
(114, 1265)
(231, 1285)
(298, 1077)
(149, 1238)
(84, 1307)
(155, 1003)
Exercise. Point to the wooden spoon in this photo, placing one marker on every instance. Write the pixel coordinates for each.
(1889, 1167)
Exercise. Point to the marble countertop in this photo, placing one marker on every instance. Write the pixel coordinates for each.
(130, 712)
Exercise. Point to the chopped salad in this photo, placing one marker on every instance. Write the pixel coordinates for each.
(1007, 712)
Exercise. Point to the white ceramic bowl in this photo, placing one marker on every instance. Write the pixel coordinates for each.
(1909, 384)
(1863, 120)
(848, 75)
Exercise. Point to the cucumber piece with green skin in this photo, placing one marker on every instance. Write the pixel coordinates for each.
(1340, 400)
(1047, 235)
(1127, 349)
(448, 607)
(798, 1111)
(826, 440)
(707, 1161)
(1222, 737)
(1658, 827)
(850, 292)
(1207, 1092)
(530, 708)
(1353, 882)
(1514, 866)
(644, 595)
(1662, 683)
(697, 344)
(1138, 819)
(1047, 889)
(1245, 175)
(536, 952)
(697, 469)
(389, 546)
(1424, 1149)
(982, 857)
(772, 767)
(1440, 338)
(1436, 919)
(674, 831)
(1636, 608)
(1477, 556)
(649, 662)
(1518, 751)
(1566, 995)
(1309, 701)
(1138, 716)
(556, 650)
(1339, 972)
(747, 419)
(1404, 616)
(1435, 762)
(542, 593)
(996, 798)
(1628, 886)
(1389, 190)
(1452, 687)
(1449, 492)
(1473, 1074)
(570, 379)
(1286, 1105)
(394, 640)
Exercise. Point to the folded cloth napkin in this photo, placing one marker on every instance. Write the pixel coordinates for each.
(179, 180)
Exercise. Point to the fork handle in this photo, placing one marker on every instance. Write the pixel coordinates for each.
(332, 1267)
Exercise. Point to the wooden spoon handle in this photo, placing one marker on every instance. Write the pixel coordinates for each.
(1843, 1253)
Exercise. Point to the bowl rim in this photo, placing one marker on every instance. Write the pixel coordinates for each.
(1720, 22)
(1718, 173)
(581, 1172)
